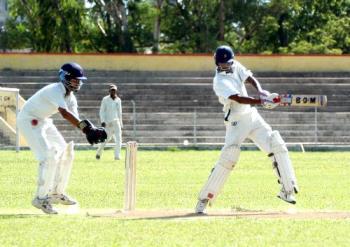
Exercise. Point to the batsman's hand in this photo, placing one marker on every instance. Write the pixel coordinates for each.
(263, 94)
(93, 135)
(271, 101)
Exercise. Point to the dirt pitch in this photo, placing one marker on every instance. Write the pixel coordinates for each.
(189, 215)
(185, 214)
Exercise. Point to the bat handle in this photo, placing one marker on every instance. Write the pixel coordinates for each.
(277, 99)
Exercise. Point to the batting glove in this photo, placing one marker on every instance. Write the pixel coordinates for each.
(271, 101)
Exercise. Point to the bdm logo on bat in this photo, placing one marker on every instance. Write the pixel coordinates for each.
(305, 100)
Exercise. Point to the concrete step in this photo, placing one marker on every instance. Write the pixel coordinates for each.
(171, 77)
(215, 118)
(168, 85)
(165, 104)
(173, 73)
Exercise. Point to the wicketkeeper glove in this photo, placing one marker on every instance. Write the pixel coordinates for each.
(93, 135)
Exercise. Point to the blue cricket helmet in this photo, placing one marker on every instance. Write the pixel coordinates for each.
(71, 71)
(223, 54)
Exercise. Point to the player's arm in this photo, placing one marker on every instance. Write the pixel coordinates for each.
(245, 100)
(255, 83)
(120, 114)
(102, 112)
(70, 117)
(268, 100)
(93, 134)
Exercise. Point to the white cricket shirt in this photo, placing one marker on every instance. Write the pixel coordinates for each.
(227, 84)
(110, 109)
(47, 100)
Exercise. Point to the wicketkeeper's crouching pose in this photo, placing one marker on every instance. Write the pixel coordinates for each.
(243, 121)
(55, 156)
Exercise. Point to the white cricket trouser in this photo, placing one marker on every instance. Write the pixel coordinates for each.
(239, 127)
(47, 144)
(251, 126)
(41, 137)
(113, 130)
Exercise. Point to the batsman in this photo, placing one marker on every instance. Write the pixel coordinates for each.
(243, 121)
(54, 155)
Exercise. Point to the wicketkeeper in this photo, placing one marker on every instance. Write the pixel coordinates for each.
(55, 156)
(243, 121)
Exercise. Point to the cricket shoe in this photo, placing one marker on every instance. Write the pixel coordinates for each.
(44, 205)
(201, 205)
(62, 199)
(288, 197)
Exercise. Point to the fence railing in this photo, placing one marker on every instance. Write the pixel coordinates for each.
(196, 125)
(199, 125)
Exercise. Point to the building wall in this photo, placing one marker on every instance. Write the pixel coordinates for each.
(127, 62)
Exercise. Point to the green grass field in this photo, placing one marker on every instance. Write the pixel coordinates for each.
(171, 180)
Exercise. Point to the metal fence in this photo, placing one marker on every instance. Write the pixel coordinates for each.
(198, 126)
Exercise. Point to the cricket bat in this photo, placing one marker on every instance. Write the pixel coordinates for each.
(304, 100)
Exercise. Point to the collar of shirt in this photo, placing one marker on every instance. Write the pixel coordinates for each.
(64, 90)
(224, 72)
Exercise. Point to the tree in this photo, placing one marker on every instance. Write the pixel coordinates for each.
(111, 19)
(179, 26)
(190, 26)
(156, 33)
(54, 26)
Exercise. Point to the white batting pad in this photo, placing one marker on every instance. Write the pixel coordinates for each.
(282, 164)
(46, 174)
(64, 169)
(228, 158)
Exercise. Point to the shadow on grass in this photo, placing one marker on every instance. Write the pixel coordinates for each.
(12, 216)
(185, 215)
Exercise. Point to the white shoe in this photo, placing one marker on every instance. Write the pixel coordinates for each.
(288, 197)
(62, 199)
(201, 205)
(44, 205)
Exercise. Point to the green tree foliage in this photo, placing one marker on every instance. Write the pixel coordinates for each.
(179, 26)
(295, 27)
(109, 26)
(50, 26)
(190, 26)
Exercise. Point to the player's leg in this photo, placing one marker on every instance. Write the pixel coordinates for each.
(272, 143)
(102, 145)
(236, 132)
(118, 140)
(34, 133)
(59, 194)
(219, 174)
(64, 167)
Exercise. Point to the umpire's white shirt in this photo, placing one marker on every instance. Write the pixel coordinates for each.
(47, 100)
(227, 84)
(111, 110)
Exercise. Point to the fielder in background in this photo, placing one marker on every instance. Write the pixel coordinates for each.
(55, 156)
(243, 121)
(111, 119)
